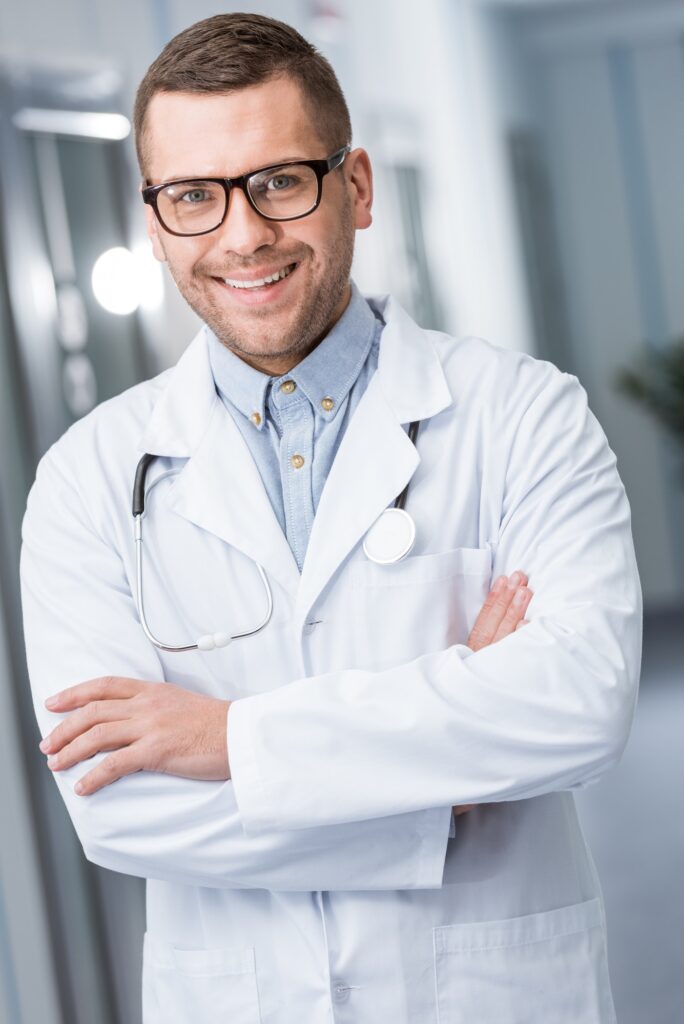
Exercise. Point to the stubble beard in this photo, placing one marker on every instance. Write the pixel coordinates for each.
(308, 323)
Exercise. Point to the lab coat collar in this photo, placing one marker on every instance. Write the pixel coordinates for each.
(220, 489)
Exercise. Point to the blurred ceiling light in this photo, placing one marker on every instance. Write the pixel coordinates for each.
(122, 280)
(81, 123)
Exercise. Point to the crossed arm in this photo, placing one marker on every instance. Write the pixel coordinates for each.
(161, 727)
(550, 709)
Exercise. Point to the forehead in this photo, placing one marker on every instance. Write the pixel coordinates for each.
(217, 134)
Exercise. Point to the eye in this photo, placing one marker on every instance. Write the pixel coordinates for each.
(279, 182)
(193, 196)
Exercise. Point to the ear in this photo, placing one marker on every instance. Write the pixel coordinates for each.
(359, 175)
(152, 226)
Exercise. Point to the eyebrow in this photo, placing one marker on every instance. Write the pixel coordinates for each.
(205, 177)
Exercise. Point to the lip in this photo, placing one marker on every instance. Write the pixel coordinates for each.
(257, 275)
(256, 296)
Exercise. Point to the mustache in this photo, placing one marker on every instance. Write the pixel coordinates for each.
(269, 259)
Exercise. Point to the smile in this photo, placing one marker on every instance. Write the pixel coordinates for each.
(261, 282)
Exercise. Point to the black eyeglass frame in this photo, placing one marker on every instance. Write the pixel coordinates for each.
(320, 167)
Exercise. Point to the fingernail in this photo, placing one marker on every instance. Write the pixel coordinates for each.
(516, 579)
(498, 585)
(78, 788)
(51, 702)
(520, 597)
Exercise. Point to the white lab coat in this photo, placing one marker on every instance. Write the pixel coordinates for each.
(320, 882)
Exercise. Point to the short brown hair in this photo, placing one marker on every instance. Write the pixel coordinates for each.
(232, 51)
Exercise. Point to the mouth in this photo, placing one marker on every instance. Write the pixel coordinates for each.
(263, 282)
(258, 291)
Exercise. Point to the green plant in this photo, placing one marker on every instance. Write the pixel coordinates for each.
(656, 381)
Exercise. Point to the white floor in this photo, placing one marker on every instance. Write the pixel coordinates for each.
(634, 823)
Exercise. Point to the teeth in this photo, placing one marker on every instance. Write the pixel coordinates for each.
(262, 281)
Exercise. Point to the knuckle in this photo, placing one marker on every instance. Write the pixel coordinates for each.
(112, 765)
(89, 712)
(97, 733)
(103, 686)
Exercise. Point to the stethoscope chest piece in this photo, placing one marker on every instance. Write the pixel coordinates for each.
(390, 538)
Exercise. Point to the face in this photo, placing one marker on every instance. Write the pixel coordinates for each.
(224, 135)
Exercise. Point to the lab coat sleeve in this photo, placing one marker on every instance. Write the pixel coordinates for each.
(547, 708)
(80, 622)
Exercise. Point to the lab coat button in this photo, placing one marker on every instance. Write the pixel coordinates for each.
(340, 992)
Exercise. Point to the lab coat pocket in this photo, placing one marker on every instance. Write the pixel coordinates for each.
(181, 986)
(422, 604)
(547, 968)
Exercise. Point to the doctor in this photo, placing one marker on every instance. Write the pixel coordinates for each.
(303, 863)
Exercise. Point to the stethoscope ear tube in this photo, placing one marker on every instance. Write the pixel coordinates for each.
(413, 434)
(139, 485)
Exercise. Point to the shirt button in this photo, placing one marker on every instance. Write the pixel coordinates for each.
(287, 387)
(340, 992)
(255, 418)
(297, 461)
(327, 404)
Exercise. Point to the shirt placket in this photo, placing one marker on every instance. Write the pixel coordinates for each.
(297, 424)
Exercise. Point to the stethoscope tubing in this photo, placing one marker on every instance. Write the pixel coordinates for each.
(212, 640)
(139, 497)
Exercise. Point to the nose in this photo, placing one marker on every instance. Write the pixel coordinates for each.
(244, 230)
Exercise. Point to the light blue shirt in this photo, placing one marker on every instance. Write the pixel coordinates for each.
(293, 424)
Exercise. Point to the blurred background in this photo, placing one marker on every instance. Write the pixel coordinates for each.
(529, 163)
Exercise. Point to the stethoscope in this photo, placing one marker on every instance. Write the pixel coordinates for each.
(389, 540)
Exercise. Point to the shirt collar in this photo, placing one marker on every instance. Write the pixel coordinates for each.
(325, 376)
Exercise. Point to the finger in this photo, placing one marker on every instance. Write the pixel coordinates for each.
(463, 808)
(490, 614)
(117, 764)
(514, 613)
(102, 688)
(103, 736)
(494, 609)
(523, 622)
(81, 720)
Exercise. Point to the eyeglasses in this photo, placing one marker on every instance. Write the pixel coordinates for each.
(196, 206)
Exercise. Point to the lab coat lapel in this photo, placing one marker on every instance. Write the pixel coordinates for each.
(376, 458)
(219, 489)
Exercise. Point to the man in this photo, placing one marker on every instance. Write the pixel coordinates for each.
(303, 863)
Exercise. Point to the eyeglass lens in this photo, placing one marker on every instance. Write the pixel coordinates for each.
(279, 193)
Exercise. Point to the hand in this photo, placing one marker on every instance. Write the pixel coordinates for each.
(502, 613)
(157, 727)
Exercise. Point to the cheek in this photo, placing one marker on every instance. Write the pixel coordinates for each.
(186, 257)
